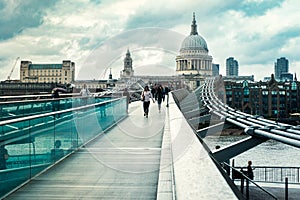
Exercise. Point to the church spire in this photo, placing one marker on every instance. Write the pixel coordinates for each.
(128, 53)
(194, 26)
(110, 75)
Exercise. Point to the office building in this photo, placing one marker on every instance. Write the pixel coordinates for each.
(232, 67)
(215, 69)
(281, 66)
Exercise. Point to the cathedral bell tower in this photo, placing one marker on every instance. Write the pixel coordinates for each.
(127, 72)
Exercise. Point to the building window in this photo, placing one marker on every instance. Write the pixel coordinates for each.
(246, 91)
(66, 73)
(294, 86)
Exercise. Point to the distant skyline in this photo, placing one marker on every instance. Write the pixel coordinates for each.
(255, 32)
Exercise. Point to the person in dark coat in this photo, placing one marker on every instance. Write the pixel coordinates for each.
(249, 170)
(55, 93)
(159, 96)
(167, 94)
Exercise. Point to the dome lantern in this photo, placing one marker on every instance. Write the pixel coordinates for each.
(194, 26)
(194, 41)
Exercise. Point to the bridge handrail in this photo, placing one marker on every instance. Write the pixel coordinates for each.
(237, 170)
(38, 99)
(56, 112)
(4, 99)
(275, 174)
(33, 141)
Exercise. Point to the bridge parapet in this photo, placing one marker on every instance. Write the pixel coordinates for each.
(38, 141)
(196, 175)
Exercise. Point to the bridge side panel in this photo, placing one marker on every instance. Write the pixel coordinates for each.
(195, 174)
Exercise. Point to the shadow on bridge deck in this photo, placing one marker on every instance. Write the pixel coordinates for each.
(139, 158)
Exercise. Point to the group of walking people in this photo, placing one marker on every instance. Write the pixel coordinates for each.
(157, 93)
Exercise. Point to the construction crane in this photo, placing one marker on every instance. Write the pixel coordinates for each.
(13, 68)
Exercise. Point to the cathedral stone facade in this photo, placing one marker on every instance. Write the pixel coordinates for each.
(194, 58)
(193, 61)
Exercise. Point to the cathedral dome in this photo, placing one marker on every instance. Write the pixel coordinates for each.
(193, 41)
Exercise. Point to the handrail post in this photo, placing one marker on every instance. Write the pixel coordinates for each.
(247, 189)
(298, 174)
(286, 189)
(242, 185)
(232, 170)
(281, 174)
(265, 174)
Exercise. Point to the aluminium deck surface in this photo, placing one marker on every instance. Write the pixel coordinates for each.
(122, 163)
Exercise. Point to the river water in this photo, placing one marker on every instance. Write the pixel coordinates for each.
(269, 153)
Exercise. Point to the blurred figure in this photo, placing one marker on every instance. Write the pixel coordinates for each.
(84, 92)
(167, 90)
(153, 90)
(159, 96)
(55, 93)
(3, 157)
(127, 95)
(57, 152)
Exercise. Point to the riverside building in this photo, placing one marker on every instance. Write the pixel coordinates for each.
(270, 99)
(63, 73)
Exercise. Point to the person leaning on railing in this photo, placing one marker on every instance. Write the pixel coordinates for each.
(250, 170)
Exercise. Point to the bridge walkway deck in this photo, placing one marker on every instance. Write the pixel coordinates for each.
(120, 164)
(140, 158)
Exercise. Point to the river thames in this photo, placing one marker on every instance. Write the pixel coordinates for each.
(269, 153)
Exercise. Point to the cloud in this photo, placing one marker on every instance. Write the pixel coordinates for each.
(257, 7)
(255, 32)
(148, 47)
(17, 16)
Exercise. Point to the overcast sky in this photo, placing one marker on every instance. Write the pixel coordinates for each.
(96, 34)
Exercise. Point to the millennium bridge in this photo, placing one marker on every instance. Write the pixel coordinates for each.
(94, 148)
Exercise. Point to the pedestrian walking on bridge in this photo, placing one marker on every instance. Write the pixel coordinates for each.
(146, 96)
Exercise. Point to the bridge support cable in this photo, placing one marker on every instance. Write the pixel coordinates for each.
(273, 122)
(286, 134)
(247, 122)
(281, 132)
(235, 122)
(253, 131)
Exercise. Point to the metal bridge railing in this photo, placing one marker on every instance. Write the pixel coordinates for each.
(247, 191)
(275, 174)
